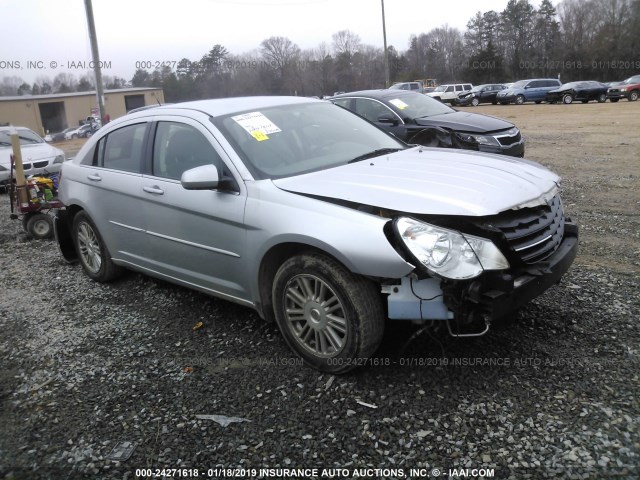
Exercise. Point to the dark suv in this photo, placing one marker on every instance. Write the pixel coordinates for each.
(629, 89)
(534, 90)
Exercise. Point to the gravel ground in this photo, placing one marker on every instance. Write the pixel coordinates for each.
(551, 394)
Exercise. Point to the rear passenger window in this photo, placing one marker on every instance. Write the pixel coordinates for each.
(458, 88)
(179, 147)
(122, 149)
(536, 84)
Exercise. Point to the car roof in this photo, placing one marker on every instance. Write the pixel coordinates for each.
(381, 94)
(224, 106)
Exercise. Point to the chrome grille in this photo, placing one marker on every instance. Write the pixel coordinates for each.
(40, 164)
(533, 233)
(509, 140)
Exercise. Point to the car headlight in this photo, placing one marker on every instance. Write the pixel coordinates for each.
(624, 89)
(449, 253)
(486, 140)
(59, 159)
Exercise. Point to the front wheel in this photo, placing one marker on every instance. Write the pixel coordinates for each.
(330, 317)
(519, 100)
(633, 96)
(475, 102)
(92, 252)
(567, 99)
(602, 98)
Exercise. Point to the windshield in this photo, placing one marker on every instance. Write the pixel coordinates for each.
(27, 137)
(477, 89)
(631, 80)
(290, 140)
(416, 105)
(440, 88)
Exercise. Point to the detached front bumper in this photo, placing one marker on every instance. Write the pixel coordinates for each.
(496, 294)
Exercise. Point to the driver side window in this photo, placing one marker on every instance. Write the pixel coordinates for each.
(178, 147)
(371, 109)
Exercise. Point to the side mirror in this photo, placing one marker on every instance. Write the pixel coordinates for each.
(204, 177)
(388, 119)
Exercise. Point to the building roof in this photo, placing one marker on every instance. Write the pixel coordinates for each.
(76, 94)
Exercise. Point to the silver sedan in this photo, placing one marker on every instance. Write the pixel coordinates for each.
(315, 218)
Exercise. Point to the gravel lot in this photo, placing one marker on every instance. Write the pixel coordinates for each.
(552, 394)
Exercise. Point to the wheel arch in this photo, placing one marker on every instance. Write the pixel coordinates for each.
(271, 262)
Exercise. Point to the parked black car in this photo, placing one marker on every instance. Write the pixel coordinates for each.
(480, 94)
(419, 119)
(583, 91)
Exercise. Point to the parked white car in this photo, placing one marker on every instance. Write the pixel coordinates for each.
(448, 93)
(38, 157)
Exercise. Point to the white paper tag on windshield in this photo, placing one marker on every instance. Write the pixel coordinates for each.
(257, 125)
(398, 103)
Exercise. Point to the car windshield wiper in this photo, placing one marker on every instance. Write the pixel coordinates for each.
(375, 153)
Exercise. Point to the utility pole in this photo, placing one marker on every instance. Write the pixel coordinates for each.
(93, 38)
(386, 53)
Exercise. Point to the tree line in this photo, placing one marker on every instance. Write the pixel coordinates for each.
(578, 39)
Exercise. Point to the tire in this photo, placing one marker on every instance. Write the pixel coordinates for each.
(567, 99)
(519, 100)
(475, 102)
(328, 316)
(92, 252)
(602, 98)
(633, 96)
(38, 225)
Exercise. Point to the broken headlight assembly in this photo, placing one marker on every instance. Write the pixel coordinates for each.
(448, 253)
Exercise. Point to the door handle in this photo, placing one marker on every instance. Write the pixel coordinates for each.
(94, 177)
(155, 190)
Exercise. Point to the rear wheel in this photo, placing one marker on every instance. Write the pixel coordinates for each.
(602, 98)
(328, 316)
(519, 99)
(92, 252)
(567, 99)
(633, 96)
(38, 225)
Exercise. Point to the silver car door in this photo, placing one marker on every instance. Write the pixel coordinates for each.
(113, 171)
(196, 236)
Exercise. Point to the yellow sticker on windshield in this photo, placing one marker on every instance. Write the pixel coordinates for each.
(398, 103)
(259, 135)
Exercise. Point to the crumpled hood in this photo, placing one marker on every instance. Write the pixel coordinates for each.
(433, 181)
(465, 122)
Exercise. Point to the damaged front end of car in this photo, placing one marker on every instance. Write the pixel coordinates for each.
(471, 271)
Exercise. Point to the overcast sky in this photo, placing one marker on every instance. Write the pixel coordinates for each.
(53, 34)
